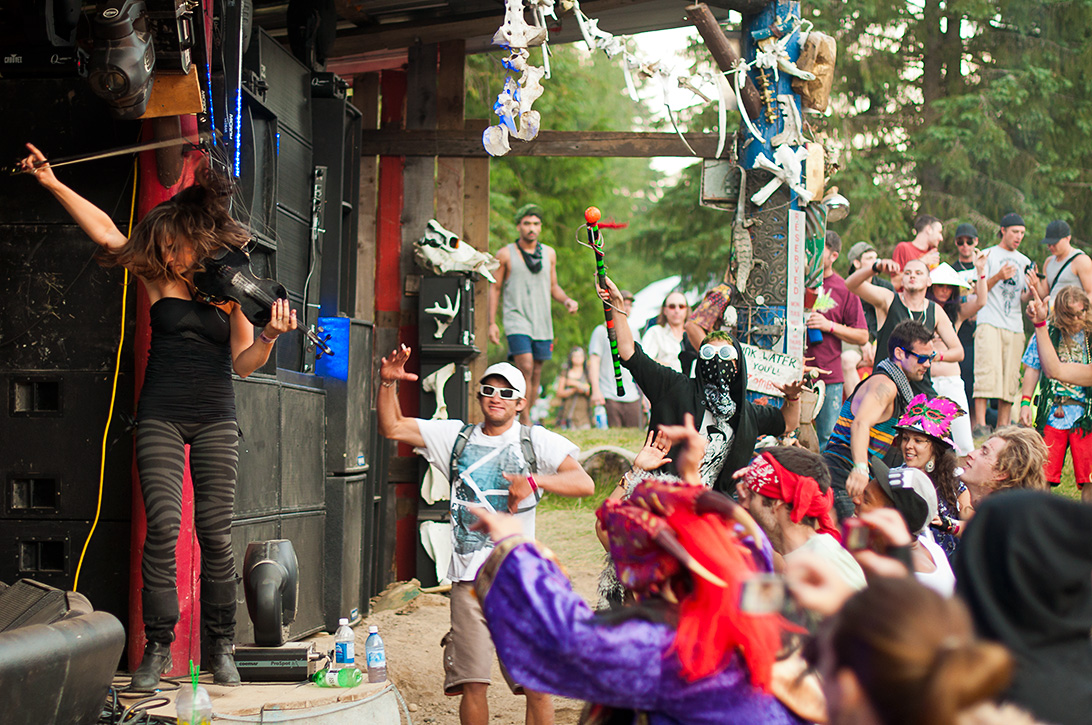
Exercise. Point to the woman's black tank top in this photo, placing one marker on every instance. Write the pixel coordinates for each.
(188, 378)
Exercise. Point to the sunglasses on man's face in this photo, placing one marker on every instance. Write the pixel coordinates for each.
(724, 352)
(964, 241)
(922, 359)
(488, 391)
(676, 307)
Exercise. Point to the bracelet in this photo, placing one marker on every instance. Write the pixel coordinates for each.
(875, 268)
(1040, 324)
(862, 467)
(792, 400)
(531, 480)
(388, 383)
(267, 340)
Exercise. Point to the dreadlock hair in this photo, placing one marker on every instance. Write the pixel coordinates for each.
(192, 225)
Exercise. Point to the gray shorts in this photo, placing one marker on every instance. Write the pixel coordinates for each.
(468, 648)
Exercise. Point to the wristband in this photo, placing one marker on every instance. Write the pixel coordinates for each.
(862, 467)
(388, 383)
(792, 400)
(267, 340)
(875, 268)
(1040, 324)
(531, 480)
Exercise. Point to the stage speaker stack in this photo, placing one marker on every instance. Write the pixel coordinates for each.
(59, 333)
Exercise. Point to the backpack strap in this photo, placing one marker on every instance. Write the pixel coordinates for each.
(528, 451)
(457, 452)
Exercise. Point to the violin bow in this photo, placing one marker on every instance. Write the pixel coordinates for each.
(149, 146)
(592, 215)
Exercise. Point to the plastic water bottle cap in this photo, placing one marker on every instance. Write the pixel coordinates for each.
(343, 620)
(373, 629)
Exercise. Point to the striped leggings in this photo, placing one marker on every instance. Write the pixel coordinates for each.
(214, 463)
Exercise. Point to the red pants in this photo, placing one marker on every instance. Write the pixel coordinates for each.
(1057, 441)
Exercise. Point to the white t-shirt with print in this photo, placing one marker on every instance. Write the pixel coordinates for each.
(1002, 308)
(480, 482)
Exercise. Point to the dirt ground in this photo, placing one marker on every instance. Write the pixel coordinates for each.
(412, 634)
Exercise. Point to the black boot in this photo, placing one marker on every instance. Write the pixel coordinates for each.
(218, 607)
(160, 617)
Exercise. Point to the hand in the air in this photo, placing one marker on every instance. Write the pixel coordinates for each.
(393, 367)
(654, 453)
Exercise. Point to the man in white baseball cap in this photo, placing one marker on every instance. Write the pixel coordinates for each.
(497, 464)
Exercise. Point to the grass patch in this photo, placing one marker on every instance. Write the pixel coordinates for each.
(605, 470)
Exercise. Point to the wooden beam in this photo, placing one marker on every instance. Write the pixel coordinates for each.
(620, 144)
(724, 53)
(366, 99)
(476, 230)
(451, 91)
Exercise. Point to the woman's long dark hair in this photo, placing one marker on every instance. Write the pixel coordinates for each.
(951, 307)
(195, 219)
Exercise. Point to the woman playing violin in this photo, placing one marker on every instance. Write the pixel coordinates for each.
(186, 399)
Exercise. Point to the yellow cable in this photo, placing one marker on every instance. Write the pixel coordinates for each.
(113, 390)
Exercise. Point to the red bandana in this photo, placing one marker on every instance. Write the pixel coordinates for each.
(769, 478)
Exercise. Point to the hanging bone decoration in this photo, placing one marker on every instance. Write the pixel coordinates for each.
(787, 166)
(514, 101)
(442, 251)
(793, 134)
(435, 384)
(741, 238)
(445, 314)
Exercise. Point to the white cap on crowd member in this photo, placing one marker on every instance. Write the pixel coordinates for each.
(509, 372)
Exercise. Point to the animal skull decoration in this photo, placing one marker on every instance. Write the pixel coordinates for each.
(445, 314)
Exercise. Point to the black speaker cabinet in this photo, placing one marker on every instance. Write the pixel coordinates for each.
(337, 125)
(49, 552)
(347, 378)
(52, 429)
(288, 93)
(62, 117)
(258, 410)
(255, 202)
(456, 389)
(344, 567)
(62, 310)
(303, 454)
(446, 318)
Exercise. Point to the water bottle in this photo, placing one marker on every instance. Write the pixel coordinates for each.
(815, 335)
(344, 646)
(600, 414)
(345, 677)
(376, 656)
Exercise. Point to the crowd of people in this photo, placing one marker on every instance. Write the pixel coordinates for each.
(870, 580)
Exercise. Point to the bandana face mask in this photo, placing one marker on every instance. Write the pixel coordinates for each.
(715, 376)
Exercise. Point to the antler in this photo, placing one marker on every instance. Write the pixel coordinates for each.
(445, 314)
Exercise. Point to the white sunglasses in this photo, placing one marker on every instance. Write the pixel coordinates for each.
(489, 391)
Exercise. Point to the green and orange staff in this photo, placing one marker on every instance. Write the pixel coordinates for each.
(592, 215)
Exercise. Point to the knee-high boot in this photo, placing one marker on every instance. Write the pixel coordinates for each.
(160, 617)
(218, 608)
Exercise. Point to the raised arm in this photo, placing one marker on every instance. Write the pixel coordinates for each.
(955, 351)
(94, 221)
(621, 324)
(1049, 362)
(392, 424)
(976, 301)
(860, 284)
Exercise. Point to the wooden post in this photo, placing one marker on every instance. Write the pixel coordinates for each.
(476, 228)
(366, 100)
(723, 52)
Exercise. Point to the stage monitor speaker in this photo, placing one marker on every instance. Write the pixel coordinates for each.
(29, 602)
(60, 672)
(258, 411)
(62, 309)
(303, 453)
(255, 202)
(347, 378)
(344, 526)
(445, 313)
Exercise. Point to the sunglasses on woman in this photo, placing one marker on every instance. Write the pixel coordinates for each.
(488, 391)
(724, 352)
(675, 307)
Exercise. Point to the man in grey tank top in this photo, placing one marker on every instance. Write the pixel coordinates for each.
(1067, 266)
(527, 280)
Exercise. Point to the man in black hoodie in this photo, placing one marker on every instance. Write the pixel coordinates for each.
(716, 397)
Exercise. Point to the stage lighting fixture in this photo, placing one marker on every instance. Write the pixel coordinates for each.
(123, 62)
(271, 583)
